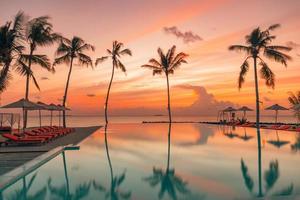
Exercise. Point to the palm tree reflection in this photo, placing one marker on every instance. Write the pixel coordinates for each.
(22, 194)
(63, 192)
(271, 176)
(296, 146)
(168, 180)
(114, 192)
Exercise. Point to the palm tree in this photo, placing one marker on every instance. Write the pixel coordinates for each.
(168, 63)
(115, 54)
(258, 43)
(11, 37)
(67, 51)
(294, 100)
(38, 33)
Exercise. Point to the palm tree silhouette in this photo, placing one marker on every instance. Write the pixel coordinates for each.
(22, 194)
(114, 192)
(294, 100)
(115, 54)
(11, 37)
(168, 63)
(259, 43)
(271, 176)
(168, 180)
(296, 146)
(38, 33)
(63, 192)
(67, 52)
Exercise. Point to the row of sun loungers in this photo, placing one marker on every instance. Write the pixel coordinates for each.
(36, 136)
(285, 127)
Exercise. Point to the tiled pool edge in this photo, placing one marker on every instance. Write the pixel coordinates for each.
(14, 175)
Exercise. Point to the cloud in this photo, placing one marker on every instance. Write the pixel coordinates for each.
(91, 95)
(187, 36)
(44, 78)
(206, 103)
(293, 45)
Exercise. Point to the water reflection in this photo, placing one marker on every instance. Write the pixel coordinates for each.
(63, 192)
(278, 143)
(271, 176)
(170, 182)
(204, 133)
(296, 146)
(23, 193)
(114, 192)
(245, 137)
(228, 131)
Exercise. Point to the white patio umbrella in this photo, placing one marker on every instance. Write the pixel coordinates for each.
(276, 108)
(245, 109)
(25, 105)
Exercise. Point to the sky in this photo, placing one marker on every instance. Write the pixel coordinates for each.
(201, 28)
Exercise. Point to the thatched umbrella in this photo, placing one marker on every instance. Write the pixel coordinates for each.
(276, 107)
(25, 105)
(245, 109)
(230, 110)
(245, 137)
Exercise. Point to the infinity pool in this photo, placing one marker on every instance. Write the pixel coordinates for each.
(158, 161)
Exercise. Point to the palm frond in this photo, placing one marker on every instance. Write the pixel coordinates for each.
(150, 66)
(100, 60)
(239, 48)
(267, 74)
(85, 60)
(154, 62)
(126, 52)
(244, 69)
(121, 66)
(62, 49)
(62, 59)
(280, 48)
(273, 27)
(277, 56)
(5, 77)
(86, 47)
(41, 60)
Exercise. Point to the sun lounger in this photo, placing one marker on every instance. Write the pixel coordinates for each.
(23, 140)
(283, 127)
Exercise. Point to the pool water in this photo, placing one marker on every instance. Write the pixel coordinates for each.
(162, 161)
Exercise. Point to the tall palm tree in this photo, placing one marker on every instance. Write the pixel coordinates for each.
(294, 100)
(115, 54)
(38, 33)
(258, 44)
(11, 37)
(167, 63)
(67, 52)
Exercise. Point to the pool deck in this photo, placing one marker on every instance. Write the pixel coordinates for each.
(12, 157)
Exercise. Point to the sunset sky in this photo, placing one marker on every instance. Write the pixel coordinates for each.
(207, 83)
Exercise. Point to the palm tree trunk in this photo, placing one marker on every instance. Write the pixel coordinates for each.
(169, 106)
(108, 92)
(27, 87)
(258, 127)
(66, 93)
